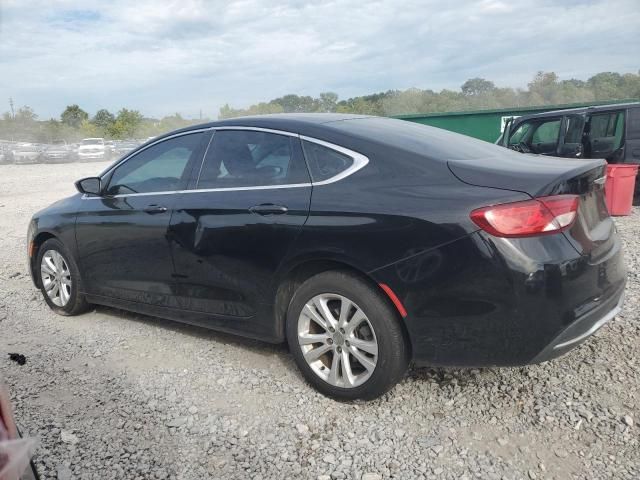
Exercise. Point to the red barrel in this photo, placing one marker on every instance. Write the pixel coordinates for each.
(621, 181)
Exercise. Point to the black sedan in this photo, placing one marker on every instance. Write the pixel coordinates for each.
(364, 242)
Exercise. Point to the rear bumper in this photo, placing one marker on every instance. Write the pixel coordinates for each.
(92, 155)
(581, 329)
(25, 160)
(56, 158)
(484, 301)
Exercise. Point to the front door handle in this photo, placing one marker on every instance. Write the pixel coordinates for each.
(153, 209)
(269, 209)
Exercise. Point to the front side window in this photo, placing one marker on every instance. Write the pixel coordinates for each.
(159, 168)
(573, 129)
(547, 132)
(324, 162)
(247, 158)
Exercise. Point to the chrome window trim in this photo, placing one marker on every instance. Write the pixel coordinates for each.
(136, 152)
(359, 162)
(202, 160)
(203, 190)
(256, 129)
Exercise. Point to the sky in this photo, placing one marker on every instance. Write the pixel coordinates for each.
(188, 56)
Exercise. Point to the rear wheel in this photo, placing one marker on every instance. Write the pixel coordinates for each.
(59, 279)
(345, 338)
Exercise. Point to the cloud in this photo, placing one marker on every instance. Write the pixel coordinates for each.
(191, 55)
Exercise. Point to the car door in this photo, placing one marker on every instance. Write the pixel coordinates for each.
(231, 232)
(632, 136)
(545, 136)
(122, 234)
(571, 136)
(605, 133)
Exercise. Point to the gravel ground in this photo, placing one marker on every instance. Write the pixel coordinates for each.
(111, 394)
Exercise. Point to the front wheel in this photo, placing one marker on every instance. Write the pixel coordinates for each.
(345, 337)
(59, 279)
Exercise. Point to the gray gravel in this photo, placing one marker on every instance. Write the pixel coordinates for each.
(115, 395)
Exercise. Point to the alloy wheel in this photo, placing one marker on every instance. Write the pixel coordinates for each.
(56, 277)
(337, 340)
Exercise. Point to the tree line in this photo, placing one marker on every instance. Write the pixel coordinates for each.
(475, 94)
(75, 123)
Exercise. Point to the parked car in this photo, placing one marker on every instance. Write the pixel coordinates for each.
(58, 152)
(109, 146)
(24, 153)
(4, 154)
(92, 149)
(364, 242)
(123, 147)
(611, 132)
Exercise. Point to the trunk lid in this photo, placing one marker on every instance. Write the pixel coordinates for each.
(593, 233)
(535, 175)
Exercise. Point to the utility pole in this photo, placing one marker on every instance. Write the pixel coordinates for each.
(13, 119)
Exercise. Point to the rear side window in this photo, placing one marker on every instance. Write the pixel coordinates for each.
(605, 125)
(324, 162)
(247, 158)
(633, 127)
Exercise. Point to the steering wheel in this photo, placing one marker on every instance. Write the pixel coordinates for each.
(521, 147)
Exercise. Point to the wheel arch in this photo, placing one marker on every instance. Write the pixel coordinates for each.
(34, 249)
(300, 271)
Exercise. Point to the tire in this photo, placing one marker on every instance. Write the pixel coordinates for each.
(369, 320)
(72, 302)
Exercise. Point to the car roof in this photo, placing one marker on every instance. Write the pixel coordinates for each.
(362, 133)
(581, 110)
(291, 122)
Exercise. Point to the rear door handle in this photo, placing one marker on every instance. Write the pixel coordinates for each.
(269, 209)
(153, 209)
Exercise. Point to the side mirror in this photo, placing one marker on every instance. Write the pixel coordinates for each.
(90, 185)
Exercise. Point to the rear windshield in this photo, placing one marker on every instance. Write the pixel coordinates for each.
(431, 142)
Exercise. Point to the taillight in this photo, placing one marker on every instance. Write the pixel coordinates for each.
(542, 216)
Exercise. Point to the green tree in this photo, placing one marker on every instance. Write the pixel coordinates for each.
(294, 103)
(544, 89)
(73, 116)
(477, 86)
(327, 102)
(259, 109)
(606, 85)
(25, 115)
(103, 119)
(126, 124)
(90, 130)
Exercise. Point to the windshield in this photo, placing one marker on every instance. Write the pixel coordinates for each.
(519, 134)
